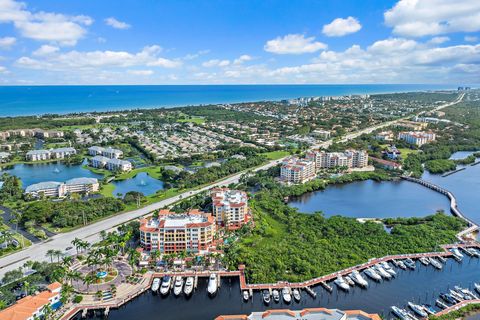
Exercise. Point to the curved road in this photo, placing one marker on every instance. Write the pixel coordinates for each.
(91, 232)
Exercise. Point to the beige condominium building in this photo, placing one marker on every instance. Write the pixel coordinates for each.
(230, 207)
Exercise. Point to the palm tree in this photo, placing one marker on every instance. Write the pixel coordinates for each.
(26, 287)
(88, 280)
(47, 311)
(70, 276)
(67, 291)
(76, 243)
(67, 261)
(50, 254)
(58, 254)
(133, 258)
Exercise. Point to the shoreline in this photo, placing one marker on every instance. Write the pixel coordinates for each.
(113, 109)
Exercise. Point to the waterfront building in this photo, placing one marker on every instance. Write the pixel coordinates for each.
(172, 232)
(348, 159)
(230, 207)
(295, 170)
(31, 307)
(417, 138)
(389, 165)
(305, 314)
(110, 153)
(59, 189)
(61, 153)
(110, 164)
(38, 155)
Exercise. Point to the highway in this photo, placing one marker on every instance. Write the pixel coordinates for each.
(91, 232)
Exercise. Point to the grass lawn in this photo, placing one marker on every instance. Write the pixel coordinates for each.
(406, 151)
(152, 171)
(103, 172)
(107, 190)
(196, 120)
(21, 239)
(274, 155)
(81, 126)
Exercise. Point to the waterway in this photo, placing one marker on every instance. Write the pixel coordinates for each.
(422, 285)
(40, 172)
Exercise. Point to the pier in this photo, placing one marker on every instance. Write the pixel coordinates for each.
(452, 172)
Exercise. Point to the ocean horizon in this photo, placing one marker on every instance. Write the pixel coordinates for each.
(52, 99)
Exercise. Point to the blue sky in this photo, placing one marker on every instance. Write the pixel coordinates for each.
(203, 42)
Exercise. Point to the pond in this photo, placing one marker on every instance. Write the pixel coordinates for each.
(142, 182)
(53, 171)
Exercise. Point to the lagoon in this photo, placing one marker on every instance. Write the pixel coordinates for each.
(142, 182)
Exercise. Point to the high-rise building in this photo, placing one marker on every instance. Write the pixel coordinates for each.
(295, 170)
(348, 158)
(230, 207)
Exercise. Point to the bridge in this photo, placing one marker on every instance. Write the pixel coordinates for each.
(453, 202)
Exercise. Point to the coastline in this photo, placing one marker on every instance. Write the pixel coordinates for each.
(83, 100)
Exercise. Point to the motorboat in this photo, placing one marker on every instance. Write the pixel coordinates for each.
(442, 259)
(401, 265)
(178, 286)
(341, 283)
(155, 284)
(474, 252)
(424, 261)
(349, 280)
(246, 295)
(429, 309)
(440, 304)
(434, 262)
(456, 254)
(212, 284)
(370, 272)
(166, 284)
(418, 309)
(287, 297)
(296, 294)
(410, 264)
(477, 287)
(467, 294)
(387, 267)
(276, 295)
(358, 279)
(448, 298)
(400, 313)
(456, 296)
(468, 252)
(266, 296)
(188, 288)
(382, 272)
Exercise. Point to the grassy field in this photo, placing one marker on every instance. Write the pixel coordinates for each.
(196, 120)
(107, 190)
(21, 239)
(152, 171)
(274, 155)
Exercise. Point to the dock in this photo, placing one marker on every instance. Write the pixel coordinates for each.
(452, 172)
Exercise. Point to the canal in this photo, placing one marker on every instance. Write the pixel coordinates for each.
(422, 285)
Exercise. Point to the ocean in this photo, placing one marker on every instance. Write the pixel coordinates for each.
(38, 100)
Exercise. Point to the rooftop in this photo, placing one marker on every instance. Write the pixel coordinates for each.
(42, 186)
(81, 180)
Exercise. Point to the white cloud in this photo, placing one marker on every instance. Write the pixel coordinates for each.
(471, 38)
(141, 72)
(416, 18)
(45, 50)
(114, 23)
(438, 40)
(3, 69)
(44, 26)
(243, 58)
(216, 63)
(96, 60)
(340, 27)
(7, 42)
(293, 44)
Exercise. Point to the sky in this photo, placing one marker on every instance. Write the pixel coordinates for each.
(239, 42)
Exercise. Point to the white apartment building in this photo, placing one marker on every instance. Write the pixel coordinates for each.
(110, 164)
(58, 189)
(230, 207)
(106, 152)
(418, 138)
(295, 170)
(61, 153)
(348, 158)
(38, 155)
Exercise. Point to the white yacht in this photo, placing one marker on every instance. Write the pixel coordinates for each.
(373, 274)
(477, 287)
(166, 283)
(388, 268)
(442, 259)
(178, 285)
(410, 263)
(276, 295)
(358, 279)
(424, 260)
(400, 313)
(287, 297)
(296, 294)
(155, 284)
(418, 309)
(382, 272)
(434, 262)
(456, 253)
(341, 283)
(266, 296)
(188, 288)
(212, 284)
(401, 265)
(246, 295)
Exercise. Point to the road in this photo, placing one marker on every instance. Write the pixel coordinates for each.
(91, 232)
